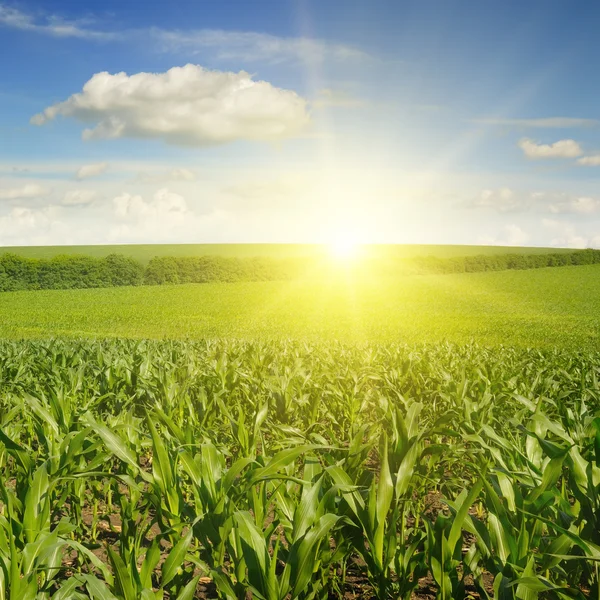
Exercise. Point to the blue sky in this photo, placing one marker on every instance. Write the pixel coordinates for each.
(426, 121)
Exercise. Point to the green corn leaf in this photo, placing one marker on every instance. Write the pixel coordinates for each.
(162, 469)
(406, 469)
(256, 556)
(98, 564)
(304, 558)
(189, 591)
(21, 454)
(36, 504)
(596, 424)
(150, 561)
(97, 589)
(68, 590)
(385, 495)
(306, 513)
(115, 444)
(224, 585)
(236, 468)
(124, 583)
(176, 557)
(552, 471)
(279, 461)
(412, 419)
(463, 503)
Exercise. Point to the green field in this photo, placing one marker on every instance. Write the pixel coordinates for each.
(544, 307)
(145, 252)
(337, 436)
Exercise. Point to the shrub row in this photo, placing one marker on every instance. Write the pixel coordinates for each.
(202, 269)
(70, 272)
(503, 262)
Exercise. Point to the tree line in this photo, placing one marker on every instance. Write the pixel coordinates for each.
(74, 271)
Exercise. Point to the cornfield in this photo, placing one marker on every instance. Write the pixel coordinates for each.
(281, 470)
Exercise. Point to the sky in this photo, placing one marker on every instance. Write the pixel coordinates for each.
(423, 121)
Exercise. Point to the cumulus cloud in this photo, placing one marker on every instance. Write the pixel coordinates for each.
(163, 204)
(23, 225)
(186, 105)
(560, 149)
(28, 191)
(93, 170)
(252, 46)
(590, 161)
(543, 123)
(166, 216)
(502, 200)
(50, 25)
(79, 197)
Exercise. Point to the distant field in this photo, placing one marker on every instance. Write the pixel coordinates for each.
(144, 253)
(540, 308)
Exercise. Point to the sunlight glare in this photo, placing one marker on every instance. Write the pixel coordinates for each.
(344, 246)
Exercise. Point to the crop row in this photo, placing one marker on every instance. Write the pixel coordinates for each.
(183, 470)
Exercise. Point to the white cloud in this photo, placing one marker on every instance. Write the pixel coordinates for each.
(543, 123)
(165, 217)
(583, 205)
(590, 161)
(516, 236)
(566, 236)
(279, 193)
(502, 200)
(183, 175)
(512, 235)
(79, 197)
(560, 149)
(252, 46)
(24, 225)
(49, 24)
(249, 46)
(177, 174)
(186, 105)
(506, 200)
(163, 204)
(28, 191)
(93, 170)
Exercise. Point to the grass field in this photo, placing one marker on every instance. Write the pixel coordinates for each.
(144, 253)
(544, 307)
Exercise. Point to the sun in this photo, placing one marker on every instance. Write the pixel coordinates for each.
(344, 246)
